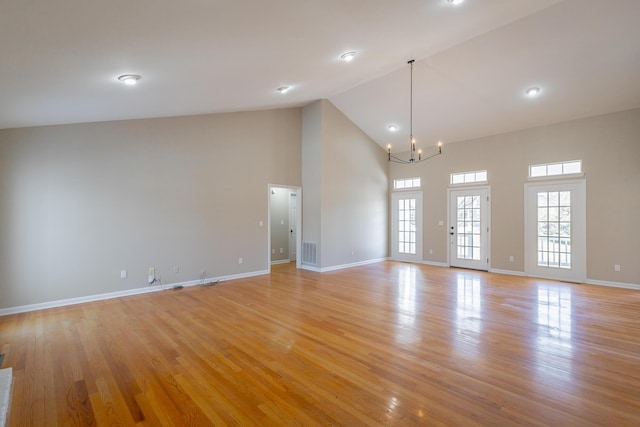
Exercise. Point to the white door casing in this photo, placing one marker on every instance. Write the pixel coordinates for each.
(293, 225)
(555, 230)
(298, 220)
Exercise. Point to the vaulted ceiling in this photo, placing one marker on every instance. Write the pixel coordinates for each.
(59, 61)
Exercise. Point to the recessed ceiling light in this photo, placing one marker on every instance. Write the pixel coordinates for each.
(392, 128)
(283, 89)
(348, 56)
(455, 2)
(129, 79)
(533, 91)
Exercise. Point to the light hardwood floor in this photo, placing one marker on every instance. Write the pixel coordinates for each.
(384, 344)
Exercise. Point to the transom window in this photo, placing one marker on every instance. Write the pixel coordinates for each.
(554, 169)
(403, 184)
(468, 177)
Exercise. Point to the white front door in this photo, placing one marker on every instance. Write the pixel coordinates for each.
(555, 236)
(469, 228)
(406, 226)
(293, 230)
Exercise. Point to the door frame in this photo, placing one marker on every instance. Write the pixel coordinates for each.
(579, 227)
(298, 191)
(395, 196)
(293, 194)
(450, 190)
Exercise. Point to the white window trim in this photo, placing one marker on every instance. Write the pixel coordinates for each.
(556, 177)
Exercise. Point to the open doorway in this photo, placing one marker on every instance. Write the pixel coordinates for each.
(284, 219)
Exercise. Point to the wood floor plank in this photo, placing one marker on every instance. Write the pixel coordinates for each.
(383, 344)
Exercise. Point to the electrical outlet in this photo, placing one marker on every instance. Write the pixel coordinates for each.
(281, 250)
(430, 251)
(240, 260)
(152, 271)
(123, 274)
(352, 252)
(273, 251)
(616, 267)
(176, 269)
(511, 258)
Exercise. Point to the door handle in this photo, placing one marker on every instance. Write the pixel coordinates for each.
(452, 233)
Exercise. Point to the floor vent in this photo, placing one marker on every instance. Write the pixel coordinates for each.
(309, 253)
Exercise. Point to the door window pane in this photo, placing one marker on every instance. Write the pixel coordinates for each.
(468, 215)
(554, 229)
(407, 226)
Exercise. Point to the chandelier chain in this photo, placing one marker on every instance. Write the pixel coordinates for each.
(412, 142)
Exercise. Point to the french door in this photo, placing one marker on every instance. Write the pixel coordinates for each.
(406, 227)
(469, 228)
(555, 236)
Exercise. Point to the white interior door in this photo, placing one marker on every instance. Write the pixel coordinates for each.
(469, 228)
(293, 225)
(555, 236)
(406, 227)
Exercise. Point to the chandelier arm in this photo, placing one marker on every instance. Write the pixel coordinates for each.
(395, 159)
(427, 158)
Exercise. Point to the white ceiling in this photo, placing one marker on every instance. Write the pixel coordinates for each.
(59, 61)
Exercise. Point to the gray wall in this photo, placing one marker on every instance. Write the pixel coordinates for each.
(345, 200)
(609, 147)
(80, 203)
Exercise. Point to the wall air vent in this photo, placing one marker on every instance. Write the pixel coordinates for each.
(309, 253)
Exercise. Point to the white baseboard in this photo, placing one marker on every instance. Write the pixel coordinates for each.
(613, 284)
(310, 268)
(281, 261)
(342, 266)
(435, 264)
(137, 291)
(509, 272)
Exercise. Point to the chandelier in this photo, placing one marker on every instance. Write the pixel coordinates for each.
(414, 157)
